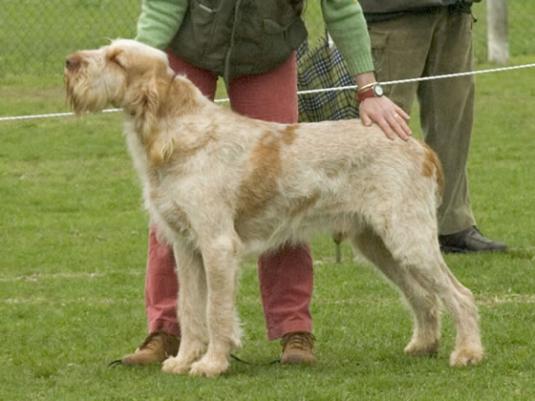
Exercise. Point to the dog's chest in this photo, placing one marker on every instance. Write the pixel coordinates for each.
(168, 208)
(164, 209)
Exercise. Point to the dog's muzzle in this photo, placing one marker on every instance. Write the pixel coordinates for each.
(72, 63)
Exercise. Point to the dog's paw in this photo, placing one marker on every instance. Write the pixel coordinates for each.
(420, 348)
(209, 367)
(465, 356)
(176, 366)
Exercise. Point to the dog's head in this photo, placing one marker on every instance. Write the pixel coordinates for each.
(124, 74)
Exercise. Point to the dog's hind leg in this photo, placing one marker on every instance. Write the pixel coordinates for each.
(412, 240)
(424, 305)
(460, 302)
(468, 348)
(191, 310)
(220, 256)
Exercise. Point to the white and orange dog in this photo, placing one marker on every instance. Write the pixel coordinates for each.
(219, 185)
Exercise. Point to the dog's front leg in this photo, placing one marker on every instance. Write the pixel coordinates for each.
(221, 264)
(191, 309)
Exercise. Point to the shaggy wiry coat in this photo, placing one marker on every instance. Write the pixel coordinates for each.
(220, 185)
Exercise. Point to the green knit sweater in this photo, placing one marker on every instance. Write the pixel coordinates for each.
(160, 20)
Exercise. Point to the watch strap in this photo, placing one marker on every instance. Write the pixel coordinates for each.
(365, 94)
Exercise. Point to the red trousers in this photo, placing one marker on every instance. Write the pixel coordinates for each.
(285, 276)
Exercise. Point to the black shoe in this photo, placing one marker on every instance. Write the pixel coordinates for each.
(469, 240)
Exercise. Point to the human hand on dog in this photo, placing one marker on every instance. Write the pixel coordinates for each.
(387, 115)
(381, 110)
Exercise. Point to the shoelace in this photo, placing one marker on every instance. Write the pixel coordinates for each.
(299, 340)
(149, 339)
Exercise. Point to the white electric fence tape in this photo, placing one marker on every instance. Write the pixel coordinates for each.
(305, 92)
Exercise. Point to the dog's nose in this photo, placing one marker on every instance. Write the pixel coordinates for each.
(72, 63)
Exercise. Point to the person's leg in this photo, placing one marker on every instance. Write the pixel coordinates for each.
(407, 47)
(447, 111)
(271, 96)
(161, 285)
(447, 114)
(286, 277)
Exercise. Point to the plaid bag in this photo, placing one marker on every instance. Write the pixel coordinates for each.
(322, 66)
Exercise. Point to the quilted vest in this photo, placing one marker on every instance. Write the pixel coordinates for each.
(388, 6)
(238, 37)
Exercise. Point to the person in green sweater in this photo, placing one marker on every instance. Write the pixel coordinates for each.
(412, 38)
(251, 44)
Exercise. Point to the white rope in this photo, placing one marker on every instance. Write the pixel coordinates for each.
(434, 77)
(305, 92)
(49, 115)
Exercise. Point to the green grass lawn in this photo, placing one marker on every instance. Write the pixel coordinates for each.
(72, 254)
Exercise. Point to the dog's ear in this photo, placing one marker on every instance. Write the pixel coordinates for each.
(118, 57)
(144, 104)
(145, 99)
(161, 151)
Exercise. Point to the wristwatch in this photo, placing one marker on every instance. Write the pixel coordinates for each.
(370, 90)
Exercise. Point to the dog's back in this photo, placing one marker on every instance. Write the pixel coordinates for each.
(322, 176)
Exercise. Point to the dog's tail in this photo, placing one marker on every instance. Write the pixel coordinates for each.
(433, 168)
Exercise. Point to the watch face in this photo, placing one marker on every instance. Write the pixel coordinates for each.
(378, 90)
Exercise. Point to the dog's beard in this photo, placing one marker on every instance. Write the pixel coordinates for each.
(83, 97)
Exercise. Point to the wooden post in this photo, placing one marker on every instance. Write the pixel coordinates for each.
(497, 41)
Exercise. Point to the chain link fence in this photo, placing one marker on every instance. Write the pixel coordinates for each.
(36, 35)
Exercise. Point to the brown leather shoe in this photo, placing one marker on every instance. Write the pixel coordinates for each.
(156, 348)
(297, 348)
